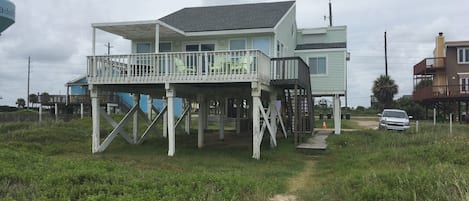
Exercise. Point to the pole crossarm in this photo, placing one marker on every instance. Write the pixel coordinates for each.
(152, 125)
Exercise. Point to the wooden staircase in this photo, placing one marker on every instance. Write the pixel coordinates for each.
(291, 76)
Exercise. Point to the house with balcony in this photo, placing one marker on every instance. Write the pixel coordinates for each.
(251, 54)
(442, 82)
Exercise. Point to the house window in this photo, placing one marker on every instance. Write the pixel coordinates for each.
(262, 44)
(237, 44)
(165, 47)
(143, 47)
(464, 85)
(463, 55)
(317, 65)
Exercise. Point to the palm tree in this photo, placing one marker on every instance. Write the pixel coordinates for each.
(20, 102)
(384, 89)
(33, 98)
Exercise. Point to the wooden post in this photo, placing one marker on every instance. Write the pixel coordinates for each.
(165, 118)
(434, 116)
(450, 123)
(96, 118)
(170, 93)
(108, 108)
(337, 119)
(187, 124)
(273, 116)
(238, 115)
(200, 127)
(56, 108)
(221, 119)
(81, 110)
(206, 112)
(136, 98)
(40, 112)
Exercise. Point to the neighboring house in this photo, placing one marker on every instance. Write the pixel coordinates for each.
(7, 14)
(251, 54)
(325, 51)
(442, 82)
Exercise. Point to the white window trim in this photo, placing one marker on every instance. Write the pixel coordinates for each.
(465, 60)
(327, 66)
(460, 85)
(263, 37)
(245, 42)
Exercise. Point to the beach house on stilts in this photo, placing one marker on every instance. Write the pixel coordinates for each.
(244, 53)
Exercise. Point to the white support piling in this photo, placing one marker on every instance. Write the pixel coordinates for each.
(81, 110)
(434, 116)
(96, 118)
(136, 98)
(337, 119)
(200, 127)
(170, 93)
(56, 108)
(165, 118)
(256, 144)
(221, 119)
(256, 139)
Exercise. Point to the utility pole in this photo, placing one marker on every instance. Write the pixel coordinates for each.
(386, 53)
(108, 45)
(330, 13)
(29, 73)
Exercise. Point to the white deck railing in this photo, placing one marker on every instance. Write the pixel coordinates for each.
(182, 67)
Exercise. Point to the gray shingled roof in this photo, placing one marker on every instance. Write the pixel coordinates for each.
(229, 17)
(310, 46)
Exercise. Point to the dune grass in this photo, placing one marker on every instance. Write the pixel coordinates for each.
(53, 161)
(385, 165)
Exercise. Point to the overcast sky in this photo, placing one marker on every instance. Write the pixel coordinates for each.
(57, 36)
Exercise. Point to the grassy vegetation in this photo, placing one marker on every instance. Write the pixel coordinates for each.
(345, 124)
(382, 165)
(53, 161)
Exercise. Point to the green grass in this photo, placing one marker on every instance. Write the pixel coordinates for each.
(382, 165)
(53, 161)
(345, 124)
